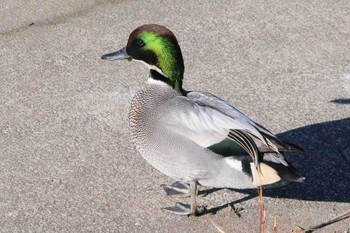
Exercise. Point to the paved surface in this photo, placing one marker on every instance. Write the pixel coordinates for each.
(66, 159)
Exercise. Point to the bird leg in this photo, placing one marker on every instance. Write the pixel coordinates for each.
(193, 191)
(185, 209)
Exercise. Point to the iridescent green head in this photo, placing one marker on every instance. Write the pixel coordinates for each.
(157, 47)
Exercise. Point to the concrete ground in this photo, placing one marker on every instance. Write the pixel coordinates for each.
(67, 163)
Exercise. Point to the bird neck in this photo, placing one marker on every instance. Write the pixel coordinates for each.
(174, 83)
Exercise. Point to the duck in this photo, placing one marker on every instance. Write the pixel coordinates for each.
(195, 137)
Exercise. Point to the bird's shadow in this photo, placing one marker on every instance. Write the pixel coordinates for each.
(325, 164)
(341, 101)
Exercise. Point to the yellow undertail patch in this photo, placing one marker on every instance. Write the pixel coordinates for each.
(268, 175)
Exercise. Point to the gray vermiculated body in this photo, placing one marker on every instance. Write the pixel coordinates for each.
(176, 156)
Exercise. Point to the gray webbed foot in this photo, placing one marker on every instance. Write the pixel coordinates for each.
(177, 189)
(184, 209)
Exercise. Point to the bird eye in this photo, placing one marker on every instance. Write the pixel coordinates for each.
(140, 42)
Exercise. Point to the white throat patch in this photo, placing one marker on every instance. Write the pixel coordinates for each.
(158, 82)
(151, 67)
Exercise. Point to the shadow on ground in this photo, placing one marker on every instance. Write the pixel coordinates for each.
(341, 101)
(325, 164)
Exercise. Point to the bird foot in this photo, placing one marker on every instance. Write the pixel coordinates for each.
(177, 189)
(185, 209)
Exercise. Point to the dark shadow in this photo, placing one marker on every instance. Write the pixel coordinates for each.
(325, 164)
(341, 101)
(217, 208)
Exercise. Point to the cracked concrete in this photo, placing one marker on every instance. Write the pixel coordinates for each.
(67, 163)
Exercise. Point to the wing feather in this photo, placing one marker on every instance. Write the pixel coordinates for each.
(209, 121)
(247, 144)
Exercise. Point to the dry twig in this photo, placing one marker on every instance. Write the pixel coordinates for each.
(319, 226)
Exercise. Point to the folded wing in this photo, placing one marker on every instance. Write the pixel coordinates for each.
(212, 123)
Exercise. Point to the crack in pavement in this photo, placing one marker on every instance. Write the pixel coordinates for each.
(59, 19)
